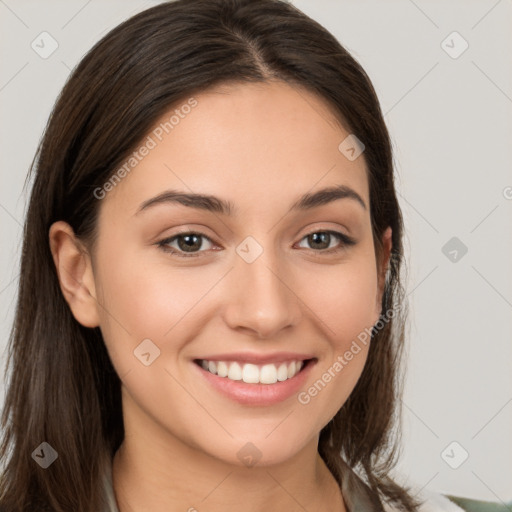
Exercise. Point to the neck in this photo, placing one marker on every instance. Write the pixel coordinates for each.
(161, 473)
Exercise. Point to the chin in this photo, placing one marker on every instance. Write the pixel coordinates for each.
(258, 448)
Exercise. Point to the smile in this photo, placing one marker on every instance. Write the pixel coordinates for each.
(255, 379)
(252, 373)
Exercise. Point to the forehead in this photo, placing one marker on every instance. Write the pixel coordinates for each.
(243, 141)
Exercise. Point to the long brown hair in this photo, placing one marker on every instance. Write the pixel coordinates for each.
(62, 388)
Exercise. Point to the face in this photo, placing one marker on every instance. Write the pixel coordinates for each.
(273, 289)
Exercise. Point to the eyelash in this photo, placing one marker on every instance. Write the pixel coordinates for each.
(346, 241)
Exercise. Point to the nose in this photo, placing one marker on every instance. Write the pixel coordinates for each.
(262, 300)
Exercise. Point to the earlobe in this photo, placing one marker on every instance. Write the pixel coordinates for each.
(75, 273)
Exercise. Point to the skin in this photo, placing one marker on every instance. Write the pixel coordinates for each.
(260, 146)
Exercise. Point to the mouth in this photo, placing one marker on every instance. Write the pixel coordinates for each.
(251, 373)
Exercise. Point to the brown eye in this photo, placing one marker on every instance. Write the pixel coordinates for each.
(325, 241)
(188, 244)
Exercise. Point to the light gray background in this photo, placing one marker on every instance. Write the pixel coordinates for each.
(451, 124)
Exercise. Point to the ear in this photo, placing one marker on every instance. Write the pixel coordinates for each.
(382, 268)
(74, 269)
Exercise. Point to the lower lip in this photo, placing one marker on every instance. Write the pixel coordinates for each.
(257, 394)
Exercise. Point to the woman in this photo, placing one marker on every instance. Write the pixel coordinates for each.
(210, 303)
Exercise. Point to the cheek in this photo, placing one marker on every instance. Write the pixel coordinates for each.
(148, 300)
(343, 300)
(344, 303)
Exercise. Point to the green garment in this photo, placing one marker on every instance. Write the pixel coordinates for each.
(470, 505)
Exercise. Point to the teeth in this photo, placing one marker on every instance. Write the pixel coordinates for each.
(292, 367)
(252, 373)
(222, 369)
(268, 374)
(282, 372)
(235, 371)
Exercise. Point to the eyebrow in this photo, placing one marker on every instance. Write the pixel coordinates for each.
(217, 205)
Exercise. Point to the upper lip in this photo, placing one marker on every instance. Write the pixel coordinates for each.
(255, 358)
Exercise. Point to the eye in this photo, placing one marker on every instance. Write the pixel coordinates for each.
(321, 240)
(188, 244)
